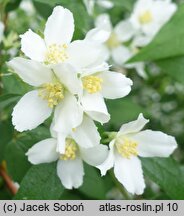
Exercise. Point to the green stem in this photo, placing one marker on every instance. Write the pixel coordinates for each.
(107, 137)
(119, 186)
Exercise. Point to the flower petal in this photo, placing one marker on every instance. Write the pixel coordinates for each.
(94, 156)
(93, 70)
(121, 54)
(33, 46)
(61, 142)
(31, 72)
(59, 27)
(134, 126)
(94, 106)
(89, 6)
(140, 68)
(103, 22)
(105, 4)
(68, 76)
(68, 115)
(86, 135)
(109, 162)
(124, 30)
(141, 40)
(43, 152)
(84, 54)
(154, 143)
(115, 85)
(71, 173)
(30, 112)
(129, 173)
(98, 35)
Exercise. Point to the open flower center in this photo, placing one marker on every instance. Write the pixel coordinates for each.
(127, 148)
(70, 150)
(56, 54)
(92, 84)
(113, 41)
(52, 92)
(145, 17)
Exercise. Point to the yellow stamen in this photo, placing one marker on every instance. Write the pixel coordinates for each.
(56, 54)
(145, 17)
(70, 150)
(113, 41)
(126, 147)
(52, 92)
(92, 84)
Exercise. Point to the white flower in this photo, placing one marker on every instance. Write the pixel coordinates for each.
(96, 85)
(99, 84)
(112, 40)
(149, 16)
(70, 164)
(51, 89)
(58, 89)
(56, 47)
(1, 31)
(129, 143)
(91, 3)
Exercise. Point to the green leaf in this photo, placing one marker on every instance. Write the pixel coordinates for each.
(7, 99)
(14, 85)
(16, 159)
(123, 110)
(44, 9)
(167, 173)
(15, 151)
(5, 194)
(127, 4)
(6, 134)
(93, 185)
(169, 42)
(173, 67)
(71, 195)
(41, 182)
(12, 5)
(49, 2)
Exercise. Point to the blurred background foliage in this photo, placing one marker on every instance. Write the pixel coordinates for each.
(160, 97)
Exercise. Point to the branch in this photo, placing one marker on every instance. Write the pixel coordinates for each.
(10, 184)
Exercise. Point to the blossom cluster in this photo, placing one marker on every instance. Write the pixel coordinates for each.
(71, 79)
(130, 35)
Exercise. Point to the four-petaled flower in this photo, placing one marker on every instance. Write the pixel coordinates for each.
(56, 47)
(53, 87)
(70, 164)
(129, 143)
(99, 84)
